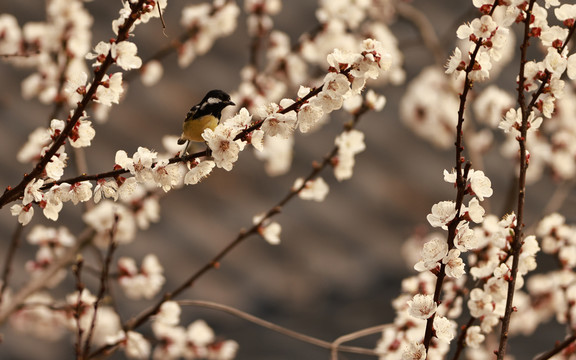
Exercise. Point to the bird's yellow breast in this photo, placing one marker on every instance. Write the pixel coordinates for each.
(192, 129)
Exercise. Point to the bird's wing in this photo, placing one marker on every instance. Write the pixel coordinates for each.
(192, 111)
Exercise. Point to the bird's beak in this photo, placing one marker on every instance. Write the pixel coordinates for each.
(229, 103)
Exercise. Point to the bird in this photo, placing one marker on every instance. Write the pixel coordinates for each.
(204, 115)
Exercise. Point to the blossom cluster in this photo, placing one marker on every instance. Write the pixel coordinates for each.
(196, 341)
(145, 282)
(68, 24)
(429, 105)
(416, 305)
(291, 65)
(52, 245)
(491, 264)
(464, 269)
(483, 51)
(204, 23)
(127, 198)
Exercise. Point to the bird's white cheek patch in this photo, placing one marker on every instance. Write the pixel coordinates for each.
(213, 100)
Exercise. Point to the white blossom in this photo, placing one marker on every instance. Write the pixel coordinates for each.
(444, 328)
(79, 192)
(198, 172)
(82, 134)
(144, 283)
(32, 192)
(349, 144)
(24, 213)
(105, 189)
(316, 189)
(465, 238)
(100, 52)
(151, 73)
(11, 34)
(375, 101)
(442, 213)
(308, 116)
(199, 333)
(166, 175)
(106, 215)
(474, 336)
(142, 162)
(276, 123)
(110, 89)
(134, 344)
(414, 351)
(169, 313)
(454, 264)
(480, 184)
(224, 148)
(124, 53)
(75, 87)
(455, 63)
(475, 210)
(270, 231)
(432, 252)
(422, 306)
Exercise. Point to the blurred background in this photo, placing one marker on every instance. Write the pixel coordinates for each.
(339, 264)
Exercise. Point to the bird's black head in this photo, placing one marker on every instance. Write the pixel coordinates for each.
(213, 103)
(217, 97)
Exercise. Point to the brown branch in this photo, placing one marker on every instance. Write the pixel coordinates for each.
(336, 344)
(517, 241)
(42, 279)
(460, 188)
(558, 348)
(427, 32)
(333, 346)
(103, 285)
(214, 263)
(161, 20)
(77, 310)
(462, 338)
(241, 136)
(526, 110)
(13, 193)
(9, 259)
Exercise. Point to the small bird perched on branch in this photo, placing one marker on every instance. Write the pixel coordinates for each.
(206, 114)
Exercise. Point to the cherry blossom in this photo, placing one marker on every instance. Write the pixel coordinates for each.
(316, 189)
(442, 213)
(422, 306)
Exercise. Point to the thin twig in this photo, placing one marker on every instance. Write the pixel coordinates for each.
(460, 188)
(558, 197)
(558, 348)
(462, 338)
(16, 236)
(333, 346)
(517, 241)
(427, 32)
(112, 246)
(161, 19)
(43, 278)
(337, 344)
(77, 311)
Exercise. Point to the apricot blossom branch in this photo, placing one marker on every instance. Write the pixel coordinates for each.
(12, 193)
